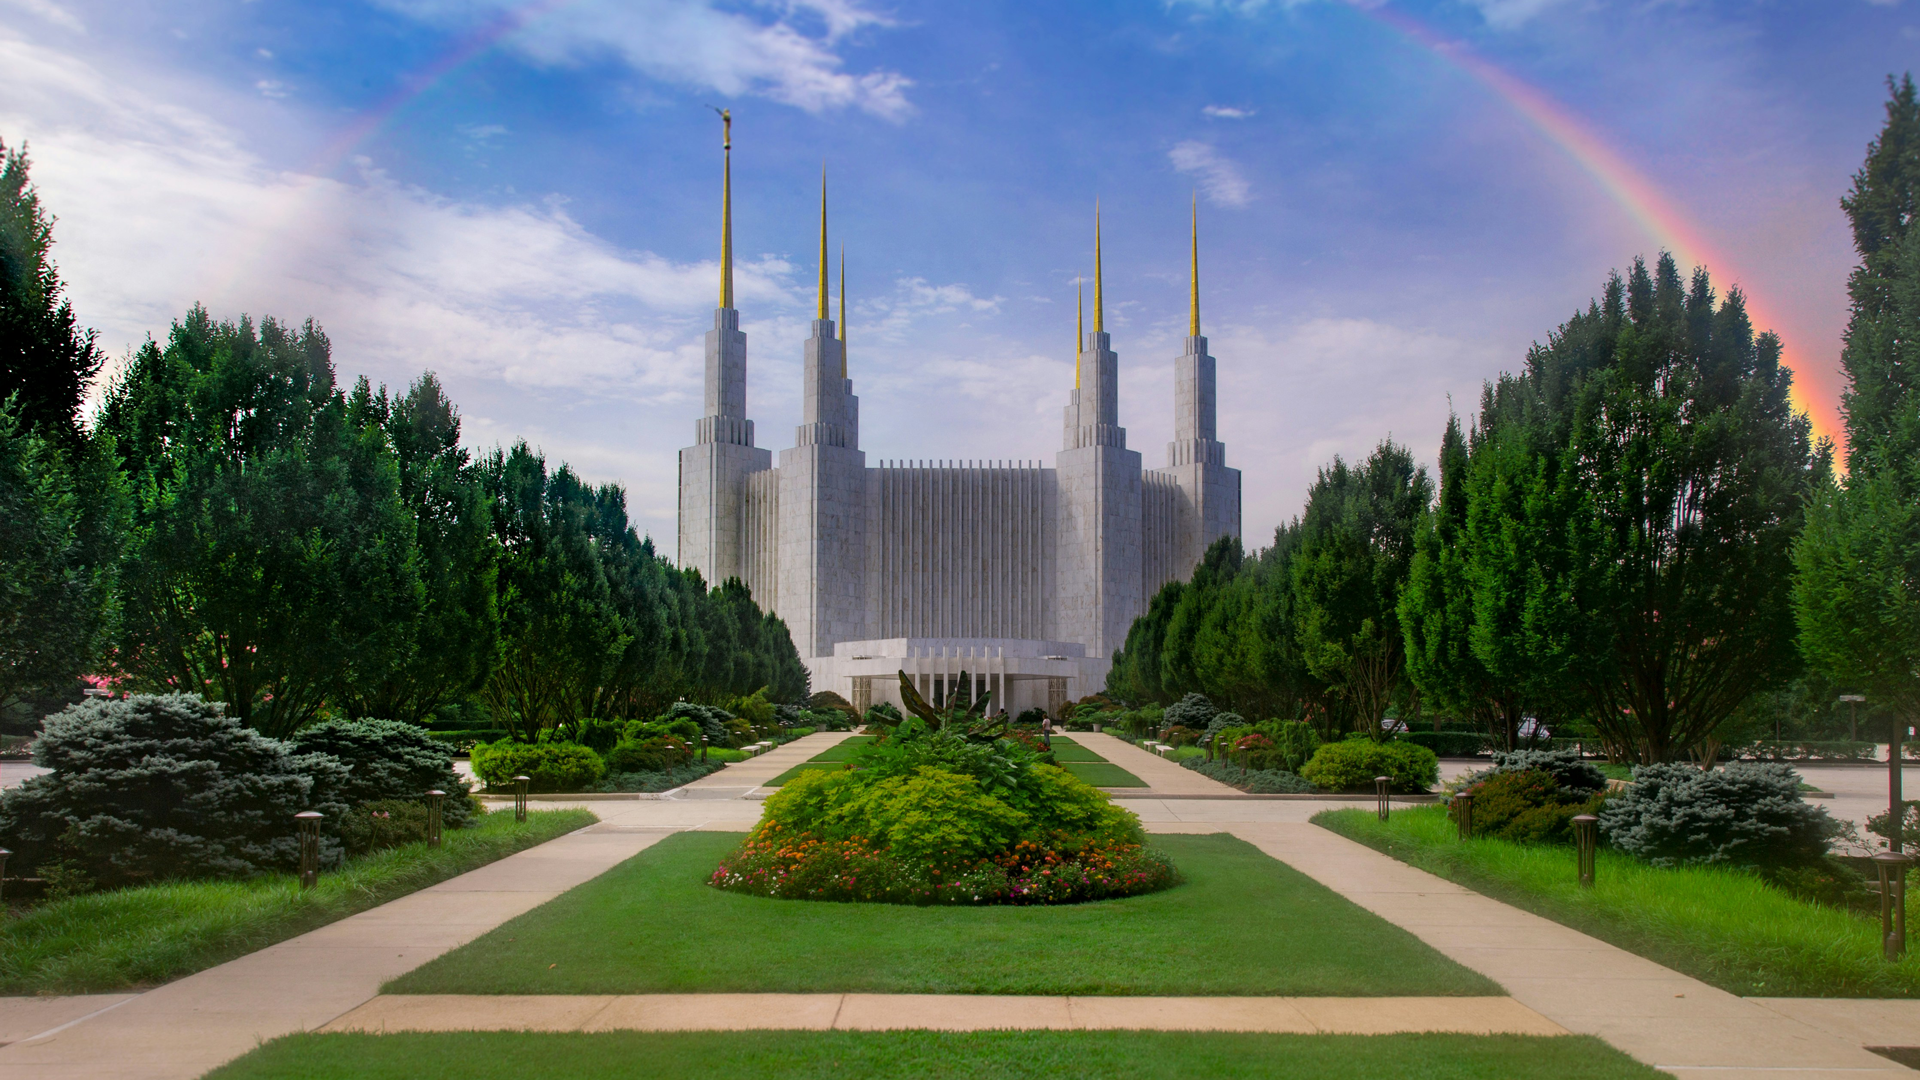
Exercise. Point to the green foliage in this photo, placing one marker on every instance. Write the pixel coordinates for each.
(384, 823)
(656, 753)
(388, 760)
(60, 524)
(1252, 781)
(1286, 745)
(165, 787)
(46, 360)
(1745, 814)
(662, 779)
(1193, 711)
(930, 816)
(1353, 764)
(1567, 768)
(552, 766)
(138, 937)
(1527, 806)
(1352, 557)
(1447, 743)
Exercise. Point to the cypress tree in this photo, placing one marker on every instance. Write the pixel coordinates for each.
(45, 358)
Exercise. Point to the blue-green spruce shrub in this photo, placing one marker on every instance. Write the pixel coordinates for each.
(1747, 814)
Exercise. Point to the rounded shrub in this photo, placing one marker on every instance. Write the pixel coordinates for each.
(384, 823)
(548, 766)
(656, 753)
(1746, 813)
(1528, 806)
(387, 759)
(1349, 765)
(155, 787)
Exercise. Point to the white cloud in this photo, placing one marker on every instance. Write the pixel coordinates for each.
(1227, 112)
(1219, 177)
(271, 88)
(693, 43)
(1507, 14)
(51, 12)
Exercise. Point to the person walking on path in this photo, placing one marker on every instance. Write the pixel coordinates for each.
(1046, 732)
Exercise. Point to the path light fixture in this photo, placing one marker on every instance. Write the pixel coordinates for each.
(1381, 785)
(520, 797)
(1463, 813)
(435, 800)
(3, 874)
(1586, 838)
(1893, 902)
(308, 822)
(1852, 702)
(703, 749)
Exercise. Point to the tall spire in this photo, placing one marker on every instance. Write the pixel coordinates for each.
(1079, 328)
(1193, 306)
(726, 210)
(1099, 293)
(843, 311)
(823, 244)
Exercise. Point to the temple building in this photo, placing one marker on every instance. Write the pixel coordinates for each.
(1024, 576)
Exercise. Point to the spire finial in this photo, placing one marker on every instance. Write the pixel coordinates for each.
(823, 243)
(843, 311)
(726, 209)
(1079, 328)
(1099, 291)
(1193, 307)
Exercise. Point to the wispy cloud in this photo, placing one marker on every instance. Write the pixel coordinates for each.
(51, 12)
(694, 43)
(1219, 177)
(1227, 112)
(272, 88)
(1507, 14)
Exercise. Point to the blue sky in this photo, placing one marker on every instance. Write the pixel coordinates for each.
(533, 213)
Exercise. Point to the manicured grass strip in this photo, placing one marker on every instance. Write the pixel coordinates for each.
(1065, 750)
(833, 757)
(1244, 923)
(147, 935)
(1103, 774)
(988, 1055)
(1721, 926)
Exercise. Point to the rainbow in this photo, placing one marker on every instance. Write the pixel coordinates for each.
(1626, 186)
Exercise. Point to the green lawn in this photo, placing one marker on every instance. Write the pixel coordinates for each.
(1721, 926)
(989, 1055)
(1103, 774)
(1243, 923)
(1073, 757)
(142, 936)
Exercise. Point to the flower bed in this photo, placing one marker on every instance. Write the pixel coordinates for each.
(855, 870)
(962, 815)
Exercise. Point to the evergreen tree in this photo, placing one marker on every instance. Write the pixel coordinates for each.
(1355, 549)
(46, 360)
(1858, 594)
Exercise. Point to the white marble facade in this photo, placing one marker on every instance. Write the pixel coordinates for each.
(1026, 577)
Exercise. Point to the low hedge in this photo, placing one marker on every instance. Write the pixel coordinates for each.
(1251, 781)
(1448, 743)
(549, 766)
(659, 779)
(1353, 764)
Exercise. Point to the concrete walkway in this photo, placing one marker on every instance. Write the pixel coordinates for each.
(1163, 777)
(1659, 1016)
(942, 1012)
(741, 778)
(181, 1030)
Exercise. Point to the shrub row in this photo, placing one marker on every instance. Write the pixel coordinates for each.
(1251, 781)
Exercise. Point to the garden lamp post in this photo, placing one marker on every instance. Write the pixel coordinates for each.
(1893, 902)
(3, 874)
(1586, 837)
(1463, 813)
(435, 799)
(1852, 702)
(703, 749)
(1381, 785)
(308, 822)
(520, 797)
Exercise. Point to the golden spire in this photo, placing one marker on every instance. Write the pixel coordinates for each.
(1099, 293)
(843, 311)
(726, 210)
(1079, 330)
(1193, 306)
(823, 244)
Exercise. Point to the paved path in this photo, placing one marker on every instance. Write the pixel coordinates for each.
(742, 777)
(1666, 1019)
(180, 1030)
(941, 1012)
(1163, 777)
